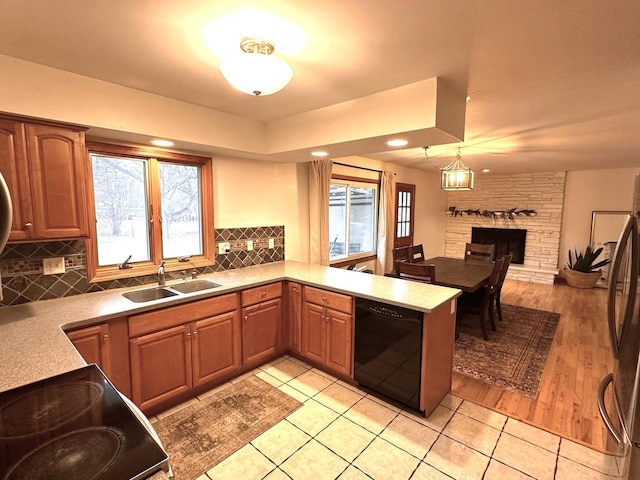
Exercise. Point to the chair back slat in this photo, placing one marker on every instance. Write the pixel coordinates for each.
(494, 279)
(505, 266)
(416, 253)
(479, 251)
(419, 272)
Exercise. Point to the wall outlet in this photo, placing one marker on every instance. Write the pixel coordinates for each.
(249, 245)
(224, 248)
(272, 243)
(53, 265)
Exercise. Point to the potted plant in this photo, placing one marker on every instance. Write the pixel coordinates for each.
(583, 272)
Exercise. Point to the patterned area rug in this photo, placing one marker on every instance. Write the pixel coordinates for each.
(203, 434)
(514, 357)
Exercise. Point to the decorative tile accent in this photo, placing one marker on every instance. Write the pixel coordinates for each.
(23, 280)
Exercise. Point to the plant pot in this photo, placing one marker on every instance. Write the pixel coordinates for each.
(581, 279)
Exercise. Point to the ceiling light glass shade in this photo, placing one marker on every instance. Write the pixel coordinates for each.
(456, 176)
(256, 73)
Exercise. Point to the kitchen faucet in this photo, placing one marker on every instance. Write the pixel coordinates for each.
(161, 280)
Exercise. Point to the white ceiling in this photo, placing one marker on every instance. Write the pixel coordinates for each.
(553, 84)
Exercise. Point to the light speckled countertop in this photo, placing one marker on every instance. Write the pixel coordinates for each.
(33, 345)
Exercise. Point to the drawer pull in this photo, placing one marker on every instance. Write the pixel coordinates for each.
(324, 299)
(105, 338)
(195, 333)
(246, 317)
(188, 334)
(264, 294)
(28, 225)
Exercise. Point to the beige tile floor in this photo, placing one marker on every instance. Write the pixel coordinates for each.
(344, 433)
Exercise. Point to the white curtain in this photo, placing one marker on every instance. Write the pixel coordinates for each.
(386, 218)
(319, 185)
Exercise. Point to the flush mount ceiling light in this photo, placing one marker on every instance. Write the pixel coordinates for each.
(397, 142)
(162, 143)
(456, 176)
(319, 153)
(256, 70)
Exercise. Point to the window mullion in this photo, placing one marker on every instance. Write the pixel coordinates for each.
(347, 219)
(155, 220)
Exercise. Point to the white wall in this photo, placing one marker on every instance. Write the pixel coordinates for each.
(590, 190)
(256, 193)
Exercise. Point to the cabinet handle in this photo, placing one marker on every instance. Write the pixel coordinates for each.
(188, 334)
(245, 317)
(264, 294)
(28, 225)
(195, 333)
(324, 299)
(105, 338)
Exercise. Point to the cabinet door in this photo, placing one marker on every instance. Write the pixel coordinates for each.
(294, 318)
(339, 342)
(216, 347)
(58, 161)
(314, 332)
(15, 170)
(93, 344)
(160, 366)
(260, 330)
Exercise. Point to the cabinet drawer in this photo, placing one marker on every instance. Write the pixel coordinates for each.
(173, 316)
(336, 301)
(260, 294)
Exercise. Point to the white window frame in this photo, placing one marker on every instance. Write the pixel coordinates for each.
(362, 184)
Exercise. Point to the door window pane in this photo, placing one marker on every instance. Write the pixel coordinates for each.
(181, 210)
(122, 220)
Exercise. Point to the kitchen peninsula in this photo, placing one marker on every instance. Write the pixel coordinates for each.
(34, 345)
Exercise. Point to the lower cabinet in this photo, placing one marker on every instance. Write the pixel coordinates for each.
(327, 330)
(293, 318)
(261, 323)
(171, 360)
(106, 345)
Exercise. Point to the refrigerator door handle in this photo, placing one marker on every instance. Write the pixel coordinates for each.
(604, 384)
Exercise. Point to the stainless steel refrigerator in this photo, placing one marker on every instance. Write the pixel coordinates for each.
(622, 415)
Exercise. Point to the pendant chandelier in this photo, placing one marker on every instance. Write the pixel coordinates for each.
(255, 70)
(456, 176)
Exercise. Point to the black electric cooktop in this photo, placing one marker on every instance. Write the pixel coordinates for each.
(74, 426)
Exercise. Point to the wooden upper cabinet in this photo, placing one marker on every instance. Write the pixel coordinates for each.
(46, 169)
(15, 170)
(58, 177)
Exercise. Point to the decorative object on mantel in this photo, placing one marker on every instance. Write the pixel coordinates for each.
(456, 176)
(494, 214)
(582, 273)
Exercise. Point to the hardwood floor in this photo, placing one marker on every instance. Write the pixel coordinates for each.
(579, 358)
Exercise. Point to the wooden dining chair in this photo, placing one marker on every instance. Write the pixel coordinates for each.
(482, 301)
(417, 272)
(400, 254)
(506, 260)
(416, 253)
(479, 251)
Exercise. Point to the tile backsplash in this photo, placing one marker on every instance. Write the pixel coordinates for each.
(23, 279)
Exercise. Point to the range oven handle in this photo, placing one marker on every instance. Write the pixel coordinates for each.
(604, 384)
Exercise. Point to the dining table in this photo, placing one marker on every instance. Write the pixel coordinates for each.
(467, 275)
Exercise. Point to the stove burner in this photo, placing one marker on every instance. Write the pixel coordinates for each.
(79, 455)
(48, 408)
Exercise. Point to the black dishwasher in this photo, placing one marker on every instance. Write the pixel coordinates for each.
(388, 350)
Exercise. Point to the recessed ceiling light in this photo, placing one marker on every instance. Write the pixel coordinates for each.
(398, 142)
(319, 153)
(467, 98)
(485, 170)
(162, 143)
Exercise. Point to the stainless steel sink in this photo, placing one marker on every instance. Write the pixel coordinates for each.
(194, 286)
(149, 294)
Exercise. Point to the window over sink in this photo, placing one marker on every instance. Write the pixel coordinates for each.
(149, 206)
(353, 214)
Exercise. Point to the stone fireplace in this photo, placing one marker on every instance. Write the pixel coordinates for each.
(542, 192)
(506, 240)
